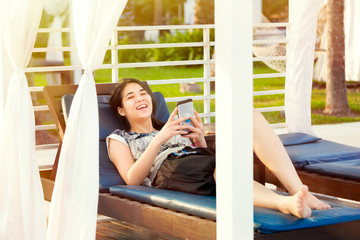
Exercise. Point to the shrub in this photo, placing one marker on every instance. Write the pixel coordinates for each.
(162, 54)
(180, 53)
(131, 55)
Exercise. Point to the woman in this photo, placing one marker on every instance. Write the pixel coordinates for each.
(144, 153)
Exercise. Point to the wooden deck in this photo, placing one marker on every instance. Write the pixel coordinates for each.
(110, 229)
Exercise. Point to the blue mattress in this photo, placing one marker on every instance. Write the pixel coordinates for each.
(349, 169)
(270, 221)
(198, 205)
(297, 138)
(304, 149)
(265, 220)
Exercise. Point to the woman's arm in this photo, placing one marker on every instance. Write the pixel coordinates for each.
(134, 172)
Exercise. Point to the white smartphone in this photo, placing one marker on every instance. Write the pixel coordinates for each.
(185, 109)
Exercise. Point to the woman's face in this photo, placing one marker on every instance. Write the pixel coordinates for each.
(136, 102)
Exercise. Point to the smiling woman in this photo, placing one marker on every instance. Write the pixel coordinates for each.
(135, 103)
(175, 156)
(122, 96)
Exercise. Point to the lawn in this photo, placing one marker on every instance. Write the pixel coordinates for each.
(173, 90)
(318, 100)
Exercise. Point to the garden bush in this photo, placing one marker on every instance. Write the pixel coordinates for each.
(180, 53)
(162, 54)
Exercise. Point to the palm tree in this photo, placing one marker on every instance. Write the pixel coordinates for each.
(204, 11)
(336, 99)
(158, 14)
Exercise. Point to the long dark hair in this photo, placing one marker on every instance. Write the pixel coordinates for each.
(117, 97)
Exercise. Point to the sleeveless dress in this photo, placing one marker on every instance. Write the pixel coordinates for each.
(138, 142)
(178, 166)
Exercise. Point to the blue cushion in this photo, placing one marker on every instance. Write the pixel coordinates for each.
(297, 138)
(320, 151)
(270, 221)
(265, 220)
(162, 112)
(108, 122)
(345, 169)
(108, 174)
(198, 205)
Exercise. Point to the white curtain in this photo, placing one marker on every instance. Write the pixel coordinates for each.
(321, 62)
(22, 209)
(55, 8)
(73, 210)
(352, 40)
(55, 40)
(189, 12)
(299, 64)
(352, 47)
(1, 84)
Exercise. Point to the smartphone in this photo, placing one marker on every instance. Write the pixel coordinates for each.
(186, 108)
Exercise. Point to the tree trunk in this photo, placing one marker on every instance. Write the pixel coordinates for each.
(158, 13)
(336, 99)
(204, 11)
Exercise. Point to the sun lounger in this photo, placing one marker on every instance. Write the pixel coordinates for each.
(349, 169)
(326, 167)
(180, 214)
(172, 222)
(273, 225)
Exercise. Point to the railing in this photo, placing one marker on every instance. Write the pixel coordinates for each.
(206, 97)
(278, 39)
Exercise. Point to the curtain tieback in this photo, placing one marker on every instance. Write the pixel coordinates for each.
(20, 70)
(88, 71)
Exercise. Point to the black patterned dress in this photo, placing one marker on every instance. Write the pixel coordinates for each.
(138, 142)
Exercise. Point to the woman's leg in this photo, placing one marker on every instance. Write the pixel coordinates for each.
(272, 153)
(295, 204)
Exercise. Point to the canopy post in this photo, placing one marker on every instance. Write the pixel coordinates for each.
(234, 156)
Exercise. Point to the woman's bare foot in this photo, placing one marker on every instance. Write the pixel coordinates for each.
(296, 204)
(315, 203)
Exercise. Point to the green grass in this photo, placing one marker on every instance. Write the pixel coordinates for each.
(318, 100)
(318, 105)
(272, 100)
(153, 73)
(39, 79)
(173, 90)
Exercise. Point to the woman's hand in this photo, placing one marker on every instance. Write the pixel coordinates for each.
(171, 128)
(197, 131)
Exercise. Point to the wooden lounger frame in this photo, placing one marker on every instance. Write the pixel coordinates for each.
(141, 214)
(168, 221)
(333, 186)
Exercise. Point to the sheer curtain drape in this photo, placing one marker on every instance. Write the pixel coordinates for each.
(2, 93)
(299, 64)
(55, 8)
(73, 209)
(22, 209)
(352, 39)
(352, 46)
